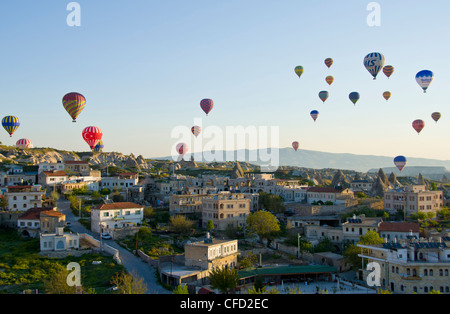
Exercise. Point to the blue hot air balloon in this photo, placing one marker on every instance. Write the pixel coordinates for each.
(10, 124)
(314, 115)
(374, 63)
(323, 95)
(354, 97)
(400, 162)
(424, 79)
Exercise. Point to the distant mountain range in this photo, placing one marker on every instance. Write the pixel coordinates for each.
(323, 160)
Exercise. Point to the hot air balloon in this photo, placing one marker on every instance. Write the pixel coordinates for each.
(418, 125)
(436, 116)
(388, 70)
(74, 104)
(400, 162)
(323, 95)
(374, 62)
(99, 147)
(299, 70)
(329, 80)
(24, 143)
(182, 149)
(354, 97)
(295, 145)
(196, 130)
(387, 95)
(92, 135)
(328, 62)
(10, 124)
(207, 105)
(424, 79)
(314, 115)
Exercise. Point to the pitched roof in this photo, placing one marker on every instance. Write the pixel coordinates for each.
(119, 205)
(399, 226)
(34, 213)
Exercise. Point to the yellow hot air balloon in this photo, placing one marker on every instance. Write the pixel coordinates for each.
(387, 95)
(329, 80)
(299, 70)
(388, 70)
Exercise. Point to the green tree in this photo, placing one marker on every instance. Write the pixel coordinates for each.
(225, 279)
(263, 224)
(3, 202)
(271, 202)
(210, 225)
(128, 283)
(249, 260)
(352, 251)
(180, 224)
(180, 290)
(57, 281)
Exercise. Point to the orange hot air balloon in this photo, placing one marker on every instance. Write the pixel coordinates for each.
(295, 145)
(329, 80)
(387, 95)
(418, 125)
(388, 70)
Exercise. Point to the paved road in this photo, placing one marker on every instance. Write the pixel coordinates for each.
(133, 264)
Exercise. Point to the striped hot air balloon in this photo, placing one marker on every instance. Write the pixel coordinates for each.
(436, 116)
(299, 70)
(24, 143)
(74, 104)
(374, 62)
(329, 62)
(10, 124)
(92, 135)
(400, 162)
(418, 125)
(387, 95)
(329, 80)
(207, 105)
(354, 97)
(388, 70)
(196, 130)
(323, 95)
(99, 147)
(295, 145)
(314, 115)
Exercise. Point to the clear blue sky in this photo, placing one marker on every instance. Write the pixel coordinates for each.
(144, 66)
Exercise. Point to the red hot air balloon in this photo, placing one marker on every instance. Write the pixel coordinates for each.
(418, 125)
(74, 104)
(207, 105)
(24, 143)
(92, 135)
(295, 145)
(182, 149)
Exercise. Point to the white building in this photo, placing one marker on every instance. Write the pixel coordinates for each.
(22, 198)
(51, 166)
(116, 216)
(122, 181)
(59, 241)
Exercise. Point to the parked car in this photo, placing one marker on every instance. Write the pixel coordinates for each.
(106, 236)
(68, 224)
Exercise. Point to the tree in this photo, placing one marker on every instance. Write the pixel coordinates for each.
(352, 251)
(54, 195)
(210, 225)
(57, 281)
(180, 224)
(3, 202)
(225, 279)
(128, 284)
(271, 202)
(263, 224)
(248, 260)
(180, 290)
